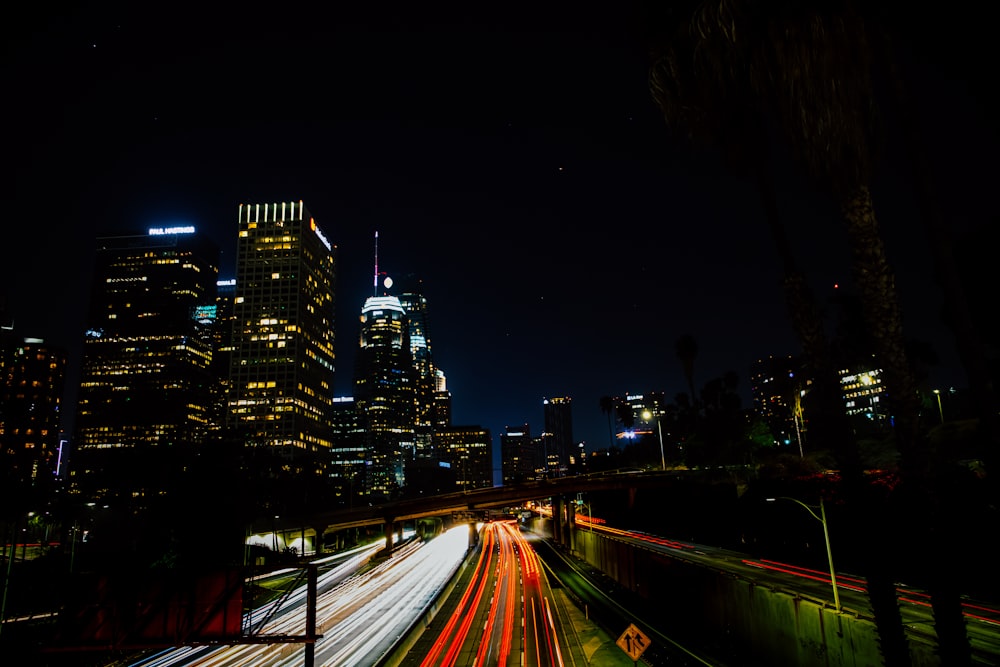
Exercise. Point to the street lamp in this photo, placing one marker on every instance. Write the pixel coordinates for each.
(647, 415)
(937, 392)
(821, 517)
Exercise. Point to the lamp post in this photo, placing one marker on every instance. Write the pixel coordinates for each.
(937, 392)
(647, 415)
(821, 517)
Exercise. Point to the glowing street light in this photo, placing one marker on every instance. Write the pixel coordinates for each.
(647, 415)
(821, 517)
(937, 392)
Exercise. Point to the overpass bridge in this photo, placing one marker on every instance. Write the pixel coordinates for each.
(470, 506)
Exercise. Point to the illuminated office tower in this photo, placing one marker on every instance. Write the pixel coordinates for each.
(145, 390)
(424, 379)
(519, 455)
(864, 394)
(281, 378)
(442, 401)
(777, 385)
(468, 451)
(219, 318)
(31, 390)
(558, 416)
(384, 393)
(347, 456)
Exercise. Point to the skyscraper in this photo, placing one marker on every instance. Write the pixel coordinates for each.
(442, 401)
(384, 393)
(347, 456)
(281, 376)
(145, 391)
(558, 415)
(777, 384)
(414, 303)
(31, 391)
(468, 453)
(519, 459)
(219, 318)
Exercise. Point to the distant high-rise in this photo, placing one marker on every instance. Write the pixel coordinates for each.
(414, 303)
(145, 391)
(776, 384)
(468, 454)
(518, 455)
(384, 393)
(347, 456)
(220, 320)
(864, 394)
(558, 415)
(281, 377)
(442, 401)
(31, 390)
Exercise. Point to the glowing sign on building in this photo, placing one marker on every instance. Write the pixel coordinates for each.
(312, 225)
(205, 314)
(164, 231)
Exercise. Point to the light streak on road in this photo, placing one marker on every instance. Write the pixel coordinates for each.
(457, 628)
(359, 616)
(503, 616)
(972, 610)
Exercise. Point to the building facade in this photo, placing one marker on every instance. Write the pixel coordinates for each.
(348, 460)
(518, 454)
(424, 380)
(777, 385)
(283, 360)
(468, 452)
(385, 394)
(145, 395)
(31, 390)
(442, 401)
(864, 395)
(558, 419)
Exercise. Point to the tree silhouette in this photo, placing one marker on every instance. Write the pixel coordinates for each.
(608, 408)
(686, 348)
(807, 67)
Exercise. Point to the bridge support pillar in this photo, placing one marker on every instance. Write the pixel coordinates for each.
(473, 535)
(389, 527)
(557, 519)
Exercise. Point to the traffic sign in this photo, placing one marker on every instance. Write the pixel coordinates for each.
(633, 641)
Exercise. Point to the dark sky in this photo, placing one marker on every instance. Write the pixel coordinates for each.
(512, 158)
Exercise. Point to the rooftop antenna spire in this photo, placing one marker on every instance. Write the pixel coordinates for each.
(375, 283)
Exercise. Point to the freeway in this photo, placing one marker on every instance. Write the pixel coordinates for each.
(504, 615)
(361, 611)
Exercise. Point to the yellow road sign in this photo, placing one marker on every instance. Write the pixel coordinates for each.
(633, 642)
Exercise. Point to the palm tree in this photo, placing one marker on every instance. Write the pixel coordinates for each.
(958, 316)
(608, 408)
(625, 413)
(686, 348)
(808, 67)
(724, 114)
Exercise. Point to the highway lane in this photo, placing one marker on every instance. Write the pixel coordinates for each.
(503, 614)
(360, 617)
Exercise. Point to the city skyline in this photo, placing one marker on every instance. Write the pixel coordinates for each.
(531, 184)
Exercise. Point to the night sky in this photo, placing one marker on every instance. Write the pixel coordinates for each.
(514, 161)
